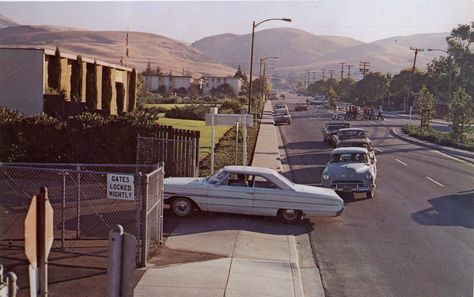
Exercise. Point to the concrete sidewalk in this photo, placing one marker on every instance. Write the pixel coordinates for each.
(259, 256)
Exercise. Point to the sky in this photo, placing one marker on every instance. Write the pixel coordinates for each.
(365, 20)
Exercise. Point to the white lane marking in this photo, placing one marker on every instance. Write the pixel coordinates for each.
(441, 185)
(405, 164)
(378, 150)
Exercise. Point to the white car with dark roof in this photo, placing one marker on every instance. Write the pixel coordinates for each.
(250, 190)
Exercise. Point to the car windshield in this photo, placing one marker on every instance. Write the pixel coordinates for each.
(349, 158)
(351, 134)
(216, 177)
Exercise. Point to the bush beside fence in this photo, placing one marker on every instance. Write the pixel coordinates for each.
(87, 138)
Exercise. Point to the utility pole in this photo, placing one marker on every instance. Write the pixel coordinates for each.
(307, 79)
(324, 75)
(342, 70)
(411, 77)
(349, 70)
(364, 67)
(331, 72)
(314, 75)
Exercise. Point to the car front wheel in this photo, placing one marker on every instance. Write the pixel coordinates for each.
(182, 206)
(289, 215)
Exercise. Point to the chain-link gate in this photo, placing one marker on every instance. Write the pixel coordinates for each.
(181, 155)
(83, 213)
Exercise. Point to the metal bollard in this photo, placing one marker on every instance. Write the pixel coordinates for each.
(11, 283)
(121, 263)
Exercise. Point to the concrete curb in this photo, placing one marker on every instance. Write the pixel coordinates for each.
(453, 152)
(310, 276)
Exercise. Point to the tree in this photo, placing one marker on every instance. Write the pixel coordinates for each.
(106, 89)
(332, 97)
(344, 88)
(461, 110)
(427, 107)
(54, 71)
(132, 91)
(257, 87)
(240, 74)
(225, 90)
(76, 79)
(91, 86)
(194, 91)
(399, 85)
(372, 88)
(182, 92)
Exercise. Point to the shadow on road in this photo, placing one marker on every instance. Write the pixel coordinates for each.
(200, 222)
(452, 210)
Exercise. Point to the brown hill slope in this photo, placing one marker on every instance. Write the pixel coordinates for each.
(293, 47)
(6, 22)
(300, 51)
(109, 46)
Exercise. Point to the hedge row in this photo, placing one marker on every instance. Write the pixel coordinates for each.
(438, 137)
(87, 138)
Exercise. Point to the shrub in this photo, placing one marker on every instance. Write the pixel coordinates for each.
(189, 112)
(230, 106)
(438, 137)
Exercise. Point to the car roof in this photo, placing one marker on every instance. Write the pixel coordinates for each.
(341, 150)
(338, 123)
(352, 129)
(249, 169)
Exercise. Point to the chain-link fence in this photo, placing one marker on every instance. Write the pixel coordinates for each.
(88, 200)
(180, 155)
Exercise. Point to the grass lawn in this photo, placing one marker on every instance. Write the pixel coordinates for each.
(165, 106)
(205, 140)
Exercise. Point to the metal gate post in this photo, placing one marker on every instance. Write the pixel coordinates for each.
(144, 222)
(137, 157)
(78, 202)
(63, 217)
(194, 161)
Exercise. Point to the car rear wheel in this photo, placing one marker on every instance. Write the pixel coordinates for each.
(370, 194)
(289, 215)
(182, 206)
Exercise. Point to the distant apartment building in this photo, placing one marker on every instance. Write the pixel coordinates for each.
(24, 83)
(167, 83)
(212, 83)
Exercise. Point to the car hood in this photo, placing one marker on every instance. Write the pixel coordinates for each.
(183, 181)
(316, 190)
(347, 170)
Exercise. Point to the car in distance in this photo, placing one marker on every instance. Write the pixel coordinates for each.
(250, 190)
(301, 106)
(348, 134)
(350, 169)
(331, 128)
(281, 114)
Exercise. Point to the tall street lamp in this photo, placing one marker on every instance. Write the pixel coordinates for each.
(450, 69)
(254, 25)
(262, 85)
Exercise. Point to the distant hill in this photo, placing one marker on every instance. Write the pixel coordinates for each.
(6, 22)
(109, 46)
(300, 52)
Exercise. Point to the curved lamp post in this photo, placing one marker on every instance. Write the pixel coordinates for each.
(254, 25)
(450, 68)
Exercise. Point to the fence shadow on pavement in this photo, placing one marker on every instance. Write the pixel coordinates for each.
(200, 222)
(451, 210)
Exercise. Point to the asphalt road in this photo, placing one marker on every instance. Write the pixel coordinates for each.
(415, 238)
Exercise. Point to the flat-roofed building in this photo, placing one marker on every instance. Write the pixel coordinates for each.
(213, 83)
(24, 85)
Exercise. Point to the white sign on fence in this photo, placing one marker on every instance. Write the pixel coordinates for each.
(120, 186)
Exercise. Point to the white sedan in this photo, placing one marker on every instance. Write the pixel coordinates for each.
(250, 190)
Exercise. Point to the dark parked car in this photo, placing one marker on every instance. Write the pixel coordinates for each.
(331, 129)
(348, 135)
(301, 106)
